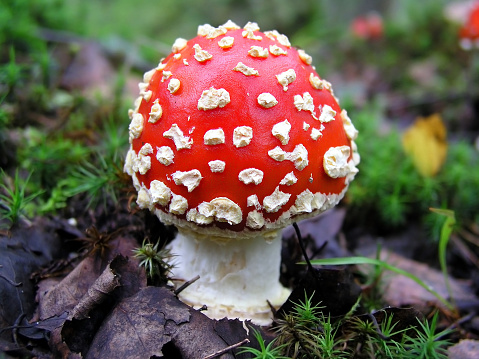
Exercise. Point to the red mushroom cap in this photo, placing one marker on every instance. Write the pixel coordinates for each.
(235, 132)
(469, 32)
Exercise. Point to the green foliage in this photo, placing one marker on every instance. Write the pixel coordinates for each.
(11, 73)
(50, 157)
(306, 313)
(426, 342)
(64, 167)
(446, 232)
(99, 180)
(328, 342)
(385, 347)
(114, 139)
(155, 261)
(21, 19)
(269, 351)
(387, 181)
(459, 182)
(390, 191)
(13, 198)
(307, 333)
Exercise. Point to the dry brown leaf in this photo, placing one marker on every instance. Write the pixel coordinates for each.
(425, 141)
(465, 349)
(154, 323)
(64, 295)
(401, 291)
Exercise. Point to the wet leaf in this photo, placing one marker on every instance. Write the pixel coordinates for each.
(425, 141)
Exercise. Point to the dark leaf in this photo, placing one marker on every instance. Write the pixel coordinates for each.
(334, 289)
(122, 278)
(153, 322)
(41, 329)
(21, 253)
(322, 229)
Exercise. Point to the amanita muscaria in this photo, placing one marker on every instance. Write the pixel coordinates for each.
(235, 136)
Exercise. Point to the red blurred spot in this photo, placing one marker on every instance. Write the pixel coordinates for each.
(469, 32)
(368, 27)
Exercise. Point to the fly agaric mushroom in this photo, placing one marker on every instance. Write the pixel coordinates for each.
(235, 136)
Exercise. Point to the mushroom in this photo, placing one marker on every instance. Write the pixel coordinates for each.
(246, 140)
(469, 32)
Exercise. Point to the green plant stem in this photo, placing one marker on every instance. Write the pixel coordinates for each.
(446, 231)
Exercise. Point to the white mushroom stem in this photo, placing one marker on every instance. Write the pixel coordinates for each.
(237, 276)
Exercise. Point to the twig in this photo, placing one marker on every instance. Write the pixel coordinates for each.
(376, 326)
(301, 245)
(186, 284)
(227, 349)
(272, 308)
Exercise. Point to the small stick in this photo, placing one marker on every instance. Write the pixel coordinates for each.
(301, 245)
(222, 351)
(376, 326)
(186, 284)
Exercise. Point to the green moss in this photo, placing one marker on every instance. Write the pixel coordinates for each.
(389, 191)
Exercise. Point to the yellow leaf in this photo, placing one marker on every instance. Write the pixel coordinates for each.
(425, 141)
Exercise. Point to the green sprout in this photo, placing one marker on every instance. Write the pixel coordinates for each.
(269, 351)
(11, 73)
(427, 344)
(154, 260)
(99, 181)
(328, 341)
(306, 313)
(307, 333)
(13, 200)
(446, 231)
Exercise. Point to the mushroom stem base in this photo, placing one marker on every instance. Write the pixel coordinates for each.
(237, 276)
